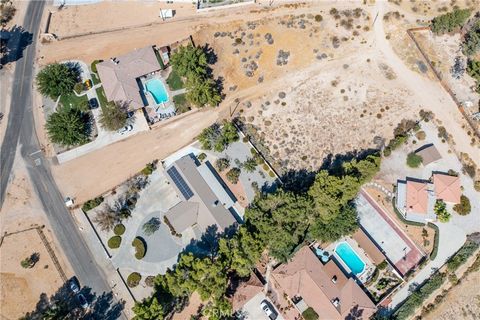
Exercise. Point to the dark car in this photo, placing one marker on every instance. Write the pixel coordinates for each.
(93, 103)
(83, 301)
(73, 285)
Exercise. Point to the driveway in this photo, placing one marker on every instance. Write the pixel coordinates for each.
(253, 311)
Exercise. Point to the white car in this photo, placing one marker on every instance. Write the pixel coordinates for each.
(126, 129)
(266, 308)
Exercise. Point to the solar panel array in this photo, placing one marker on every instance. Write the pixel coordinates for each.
(180, 183)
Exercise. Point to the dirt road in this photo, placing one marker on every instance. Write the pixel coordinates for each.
(100, 171)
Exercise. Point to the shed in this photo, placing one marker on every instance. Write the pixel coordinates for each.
(428, 153)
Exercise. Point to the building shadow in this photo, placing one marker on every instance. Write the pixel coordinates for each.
(208, 244)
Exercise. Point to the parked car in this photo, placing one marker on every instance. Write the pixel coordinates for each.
(265, 305)
(83, 301)
(73, 285)
(126, 129)
(93, 103)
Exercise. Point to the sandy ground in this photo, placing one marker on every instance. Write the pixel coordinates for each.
(462, 302)
(20, 288)
(102, 170)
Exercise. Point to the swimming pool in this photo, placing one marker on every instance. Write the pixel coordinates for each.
(350, 257)
(157, 89)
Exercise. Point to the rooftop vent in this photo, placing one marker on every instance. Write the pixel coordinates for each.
(334, 279)
(336, 302)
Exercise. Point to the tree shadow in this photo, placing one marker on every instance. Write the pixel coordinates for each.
(208, 244)
(212, 57)
(76, 68)
(13, 43)
(65, 304)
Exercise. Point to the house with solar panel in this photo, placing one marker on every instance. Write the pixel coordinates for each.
(206, 200)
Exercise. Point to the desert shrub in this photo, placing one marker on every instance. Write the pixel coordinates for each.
(271, 173)
(114, 242)
(133, 279)
(318, 18)
(90, 204)
(202, 156)
(114, 115)
(149, 168)
(119, 229)
(310, 314)
(442, 133)
(414, 160)
(387, 151)
(233, 175)
(476, 185)
(140, 247)
(78, 87)
(462, 255)
(471, 44)
(463, 208)
(150, 281)
(448, 22)
(222, 164)
(151, 226)
(265, 167)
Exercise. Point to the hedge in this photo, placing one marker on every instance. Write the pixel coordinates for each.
(140, 247)
(462, 255)
(90, 204)
(93, 66)
(400, 216)
(149, 168)
(119, 229)
(436, 240)
(114, 242)
(416, 299)
(133, 279)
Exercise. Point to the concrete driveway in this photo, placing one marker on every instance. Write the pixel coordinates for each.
(253, 311)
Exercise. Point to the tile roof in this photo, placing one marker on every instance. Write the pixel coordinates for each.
(417, 197)
(447, 187)
(119, 79)
(246, 291)
(306, 277)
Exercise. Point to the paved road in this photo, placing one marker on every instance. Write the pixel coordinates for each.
(21, 130)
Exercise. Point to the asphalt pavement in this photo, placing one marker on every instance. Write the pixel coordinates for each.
(21, 130)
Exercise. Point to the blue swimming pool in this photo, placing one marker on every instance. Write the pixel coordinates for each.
(157, 89)
(350, 257)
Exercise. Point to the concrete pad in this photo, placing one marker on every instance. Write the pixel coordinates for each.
(253, 311)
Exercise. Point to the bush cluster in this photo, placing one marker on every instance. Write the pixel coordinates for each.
(133, 279)
(436, 240)
(449, 22)
(90, 204)
(462, 255)
(149, 168)
(463, 208)
(119, 229)
(414, 160)
(114, 242)
(140, 247)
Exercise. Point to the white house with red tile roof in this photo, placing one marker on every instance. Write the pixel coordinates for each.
(415, 199)
(447, 187)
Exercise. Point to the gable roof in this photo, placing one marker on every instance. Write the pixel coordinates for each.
(447, 187)
(368, 246)
(119, 78)
(246, 291)
(428, 153)
(182, 215)
(306, 277)
(417, 197)
(210, 209)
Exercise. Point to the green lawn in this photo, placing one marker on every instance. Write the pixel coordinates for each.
(102, 99)
(95, 79)
(74, 101)
(181, 103)
(174, 81)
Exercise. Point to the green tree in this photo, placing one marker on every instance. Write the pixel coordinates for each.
(473, 69)
(107, 219)
(57, 79)
(189, 60)
(218, 138)
(68, 126)
(151, 226)
(114, 116)
(440, 209)
(202, 91)
(281, 221)
(471, 44)
(7, 11)
(148, 309)
(463, 208)
(343, 224)
(414, 160)
(233, 175)
(222, 163)
(450, 21)
(218, 309)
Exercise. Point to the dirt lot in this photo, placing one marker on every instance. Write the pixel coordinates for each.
(462, 302)
(20, 288)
